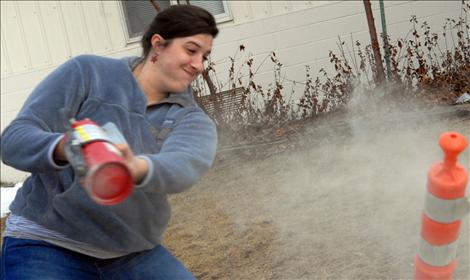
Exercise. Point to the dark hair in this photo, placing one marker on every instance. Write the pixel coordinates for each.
(179, 21)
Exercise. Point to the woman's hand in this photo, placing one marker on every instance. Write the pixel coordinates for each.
(137, 166)
(59, 152)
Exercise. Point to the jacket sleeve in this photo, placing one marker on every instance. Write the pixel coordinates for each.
(185, 156)
(28, 141)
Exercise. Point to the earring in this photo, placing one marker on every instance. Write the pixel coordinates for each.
(154, 58)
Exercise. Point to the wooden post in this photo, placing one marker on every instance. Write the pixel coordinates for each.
(156, 6)
(379, 68)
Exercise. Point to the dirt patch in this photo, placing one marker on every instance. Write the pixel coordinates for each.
(204, 235)
(2, 228)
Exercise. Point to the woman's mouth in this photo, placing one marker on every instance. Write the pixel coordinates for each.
(191, 74)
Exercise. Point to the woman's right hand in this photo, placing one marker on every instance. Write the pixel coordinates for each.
(59, 152)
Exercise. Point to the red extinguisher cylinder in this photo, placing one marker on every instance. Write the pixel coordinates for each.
(108, 180)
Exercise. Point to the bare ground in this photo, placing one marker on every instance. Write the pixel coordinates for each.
(344, 204)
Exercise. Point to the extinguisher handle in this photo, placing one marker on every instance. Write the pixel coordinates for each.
(114, 134)
(73, 152)
(72, 147)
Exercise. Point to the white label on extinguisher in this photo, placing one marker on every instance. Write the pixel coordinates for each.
(113, 149)
(89, 132)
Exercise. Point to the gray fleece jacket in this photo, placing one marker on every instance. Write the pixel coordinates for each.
(175, 136)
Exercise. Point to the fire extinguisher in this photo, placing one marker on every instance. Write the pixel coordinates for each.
(98, 163)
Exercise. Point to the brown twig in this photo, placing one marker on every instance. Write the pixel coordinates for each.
(156, 6)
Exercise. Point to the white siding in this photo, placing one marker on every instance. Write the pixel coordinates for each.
(304, 32)
(56, 36)
(37, 36)
(14, 38)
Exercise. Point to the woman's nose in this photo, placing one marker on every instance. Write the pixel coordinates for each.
(198, 64)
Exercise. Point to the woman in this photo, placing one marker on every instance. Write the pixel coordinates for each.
(55, 230)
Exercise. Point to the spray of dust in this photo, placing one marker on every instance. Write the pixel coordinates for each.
(349, 204)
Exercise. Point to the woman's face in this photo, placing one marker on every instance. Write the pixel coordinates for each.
(182, 60)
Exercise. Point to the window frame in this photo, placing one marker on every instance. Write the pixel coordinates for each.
(220, 18)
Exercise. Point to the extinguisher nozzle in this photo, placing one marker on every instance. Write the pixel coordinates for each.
(110, 183)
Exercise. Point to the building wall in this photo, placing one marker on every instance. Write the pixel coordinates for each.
(37, 36)
(304, 36)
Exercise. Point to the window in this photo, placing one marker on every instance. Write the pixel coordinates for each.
(138, 14)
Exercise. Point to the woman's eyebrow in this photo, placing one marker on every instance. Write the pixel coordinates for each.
(194, 43)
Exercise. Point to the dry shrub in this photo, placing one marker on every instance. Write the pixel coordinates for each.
(419, 69)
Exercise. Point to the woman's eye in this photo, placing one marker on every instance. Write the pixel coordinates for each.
(191, 51)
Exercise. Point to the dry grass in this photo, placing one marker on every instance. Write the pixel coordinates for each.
(204, 237)
(3, 228)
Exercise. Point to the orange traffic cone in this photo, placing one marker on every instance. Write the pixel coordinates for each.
(445, 206)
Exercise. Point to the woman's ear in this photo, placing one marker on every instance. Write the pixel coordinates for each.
(157, 41)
